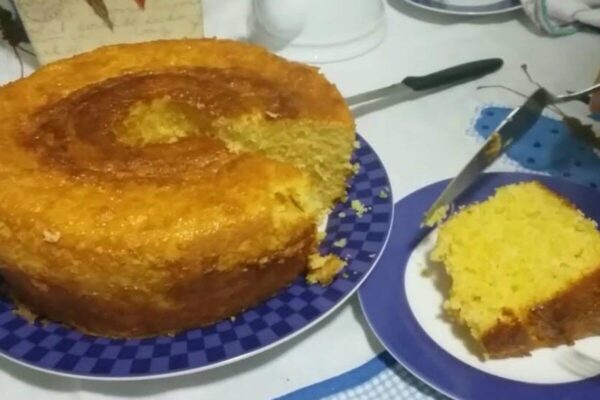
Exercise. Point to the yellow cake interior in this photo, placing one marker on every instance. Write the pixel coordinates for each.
(317, 148)
(314, 148)
(518, 249)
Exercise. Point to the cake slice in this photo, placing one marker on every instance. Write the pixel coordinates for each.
(525, 270)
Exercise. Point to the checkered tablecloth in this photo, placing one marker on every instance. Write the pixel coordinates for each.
(382, 378)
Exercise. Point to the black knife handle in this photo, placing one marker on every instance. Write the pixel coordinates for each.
(454, 74)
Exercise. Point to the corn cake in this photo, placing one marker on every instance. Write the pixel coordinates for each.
(153, 187)
(525, 270)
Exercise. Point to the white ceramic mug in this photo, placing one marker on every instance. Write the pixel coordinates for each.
(318, 31)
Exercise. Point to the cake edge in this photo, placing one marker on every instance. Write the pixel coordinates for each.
(572, 314)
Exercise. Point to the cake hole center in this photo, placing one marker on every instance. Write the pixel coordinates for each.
(159, 121)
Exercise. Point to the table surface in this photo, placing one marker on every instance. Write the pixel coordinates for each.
(420, 141)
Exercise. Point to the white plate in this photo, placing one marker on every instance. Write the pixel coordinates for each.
(404, 309)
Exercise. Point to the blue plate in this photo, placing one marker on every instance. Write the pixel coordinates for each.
(473, 7)
(58, 349)
(386, 306)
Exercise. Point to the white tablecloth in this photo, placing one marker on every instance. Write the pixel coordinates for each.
(420, 141)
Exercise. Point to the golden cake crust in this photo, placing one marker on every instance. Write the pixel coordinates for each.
(113, 237)
(573, 314)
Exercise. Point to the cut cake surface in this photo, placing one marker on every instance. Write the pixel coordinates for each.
(525, 270)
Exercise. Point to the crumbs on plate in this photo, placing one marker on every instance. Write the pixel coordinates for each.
(322, 269)
(340, 243)
(359, 208)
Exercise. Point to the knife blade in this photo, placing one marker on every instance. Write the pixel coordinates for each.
(510, 130)
(457, 74)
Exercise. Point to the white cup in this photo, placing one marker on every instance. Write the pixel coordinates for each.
(318, 31)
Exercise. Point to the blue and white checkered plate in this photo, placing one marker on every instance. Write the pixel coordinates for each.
(58, 349)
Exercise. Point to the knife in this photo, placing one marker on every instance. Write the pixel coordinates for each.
(510, 130)
(448, 76)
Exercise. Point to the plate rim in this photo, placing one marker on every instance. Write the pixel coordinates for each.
(310, 325)
(464, 13)
(576, 387)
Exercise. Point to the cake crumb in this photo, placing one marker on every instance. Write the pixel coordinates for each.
(322, 269)
(340, 243)
(356, 168)
(345, 275)
(271, 114)
(232, 318)
(359, 208)
(25, 313)
(493, 146)
(372, 255)
(383, 194)
(356, 144)
(437, 216)
(50, 236)
(342, 214)
(321, 235)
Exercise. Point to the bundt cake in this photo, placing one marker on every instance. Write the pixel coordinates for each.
(525, 270)
(149, 188)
